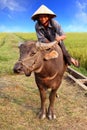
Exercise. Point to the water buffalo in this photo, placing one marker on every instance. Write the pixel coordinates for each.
(48, 71)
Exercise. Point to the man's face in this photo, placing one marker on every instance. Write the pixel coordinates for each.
(44, 19)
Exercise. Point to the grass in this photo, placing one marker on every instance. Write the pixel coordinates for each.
(9, 53)
(20, 104)
(76, 45)
(19, 96)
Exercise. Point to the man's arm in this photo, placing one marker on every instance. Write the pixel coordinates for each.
(60, 35)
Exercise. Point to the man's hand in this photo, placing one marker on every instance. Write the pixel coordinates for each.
(60, 38)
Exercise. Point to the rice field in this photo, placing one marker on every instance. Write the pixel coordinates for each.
(19, 96)
(76, 44)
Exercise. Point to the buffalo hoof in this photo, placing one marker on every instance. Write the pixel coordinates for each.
(51, 117)
(42, 115)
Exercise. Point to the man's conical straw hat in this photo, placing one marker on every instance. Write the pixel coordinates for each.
(42, 10)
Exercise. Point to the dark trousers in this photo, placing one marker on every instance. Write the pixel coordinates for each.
(66, 55)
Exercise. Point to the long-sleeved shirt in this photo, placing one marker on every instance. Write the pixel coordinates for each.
(43, 34)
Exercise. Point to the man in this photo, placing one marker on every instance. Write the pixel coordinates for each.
(48, 30)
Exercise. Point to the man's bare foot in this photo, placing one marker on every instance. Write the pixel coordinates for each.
(75, 62)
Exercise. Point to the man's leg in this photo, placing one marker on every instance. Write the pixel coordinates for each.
(68, 59)
(67, 56)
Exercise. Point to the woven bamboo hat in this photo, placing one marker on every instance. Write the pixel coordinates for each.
(43, 10)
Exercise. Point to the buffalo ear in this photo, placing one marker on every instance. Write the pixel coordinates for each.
(51, 55)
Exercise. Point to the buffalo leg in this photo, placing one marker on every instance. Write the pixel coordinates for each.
(52, 96)
(42, 113)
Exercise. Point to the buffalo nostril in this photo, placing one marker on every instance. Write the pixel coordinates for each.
(15, 70)
(18, 70)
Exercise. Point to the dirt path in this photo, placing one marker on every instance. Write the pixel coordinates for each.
(19, 105)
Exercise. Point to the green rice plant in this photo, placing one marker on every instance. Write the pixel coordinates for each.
(8, 54)
(2, 38)
(76, 44)
(27, 36)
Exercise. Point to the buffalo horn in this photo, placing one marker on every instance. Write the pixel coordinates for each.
(43, 46)
(20, 43)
